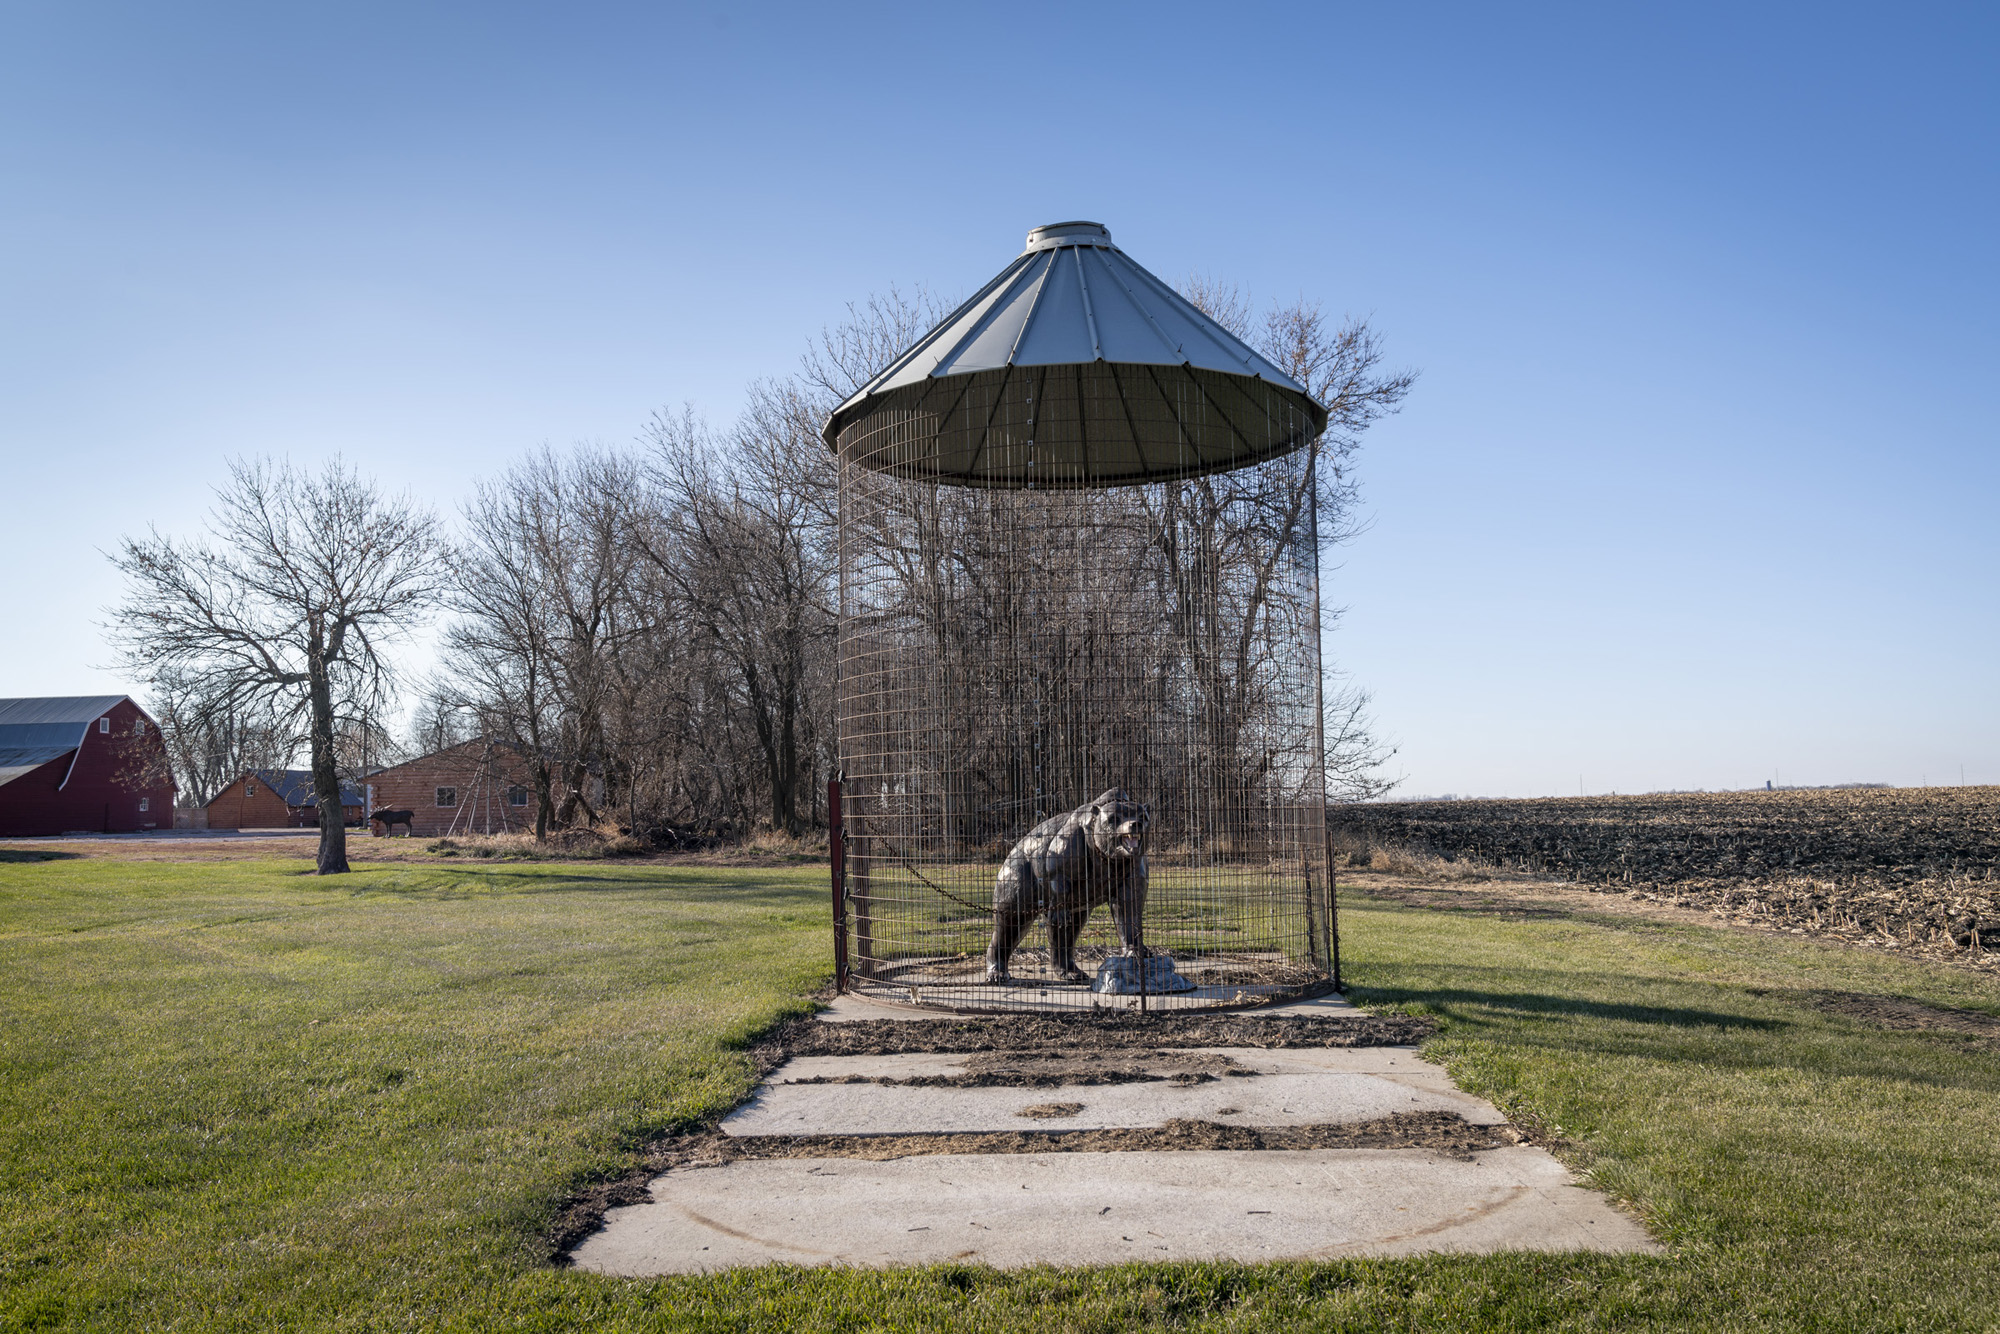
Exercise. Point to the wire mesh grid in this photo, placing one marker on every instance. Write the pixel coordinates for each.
(1020, 640)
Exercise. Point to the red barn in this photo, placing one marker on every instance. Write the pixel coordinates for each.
(82, 764)
(277, 799)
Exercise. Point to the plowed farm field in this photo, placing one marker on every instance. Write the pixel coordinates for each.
(1915, 868)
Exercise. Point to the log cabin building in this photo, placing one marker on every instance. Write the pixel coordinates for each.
(279, 799)
(82, 764)
(479, 787)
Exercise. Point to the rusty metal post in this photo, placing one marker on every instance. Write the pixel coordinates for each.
(836, 845)
(1333, 923)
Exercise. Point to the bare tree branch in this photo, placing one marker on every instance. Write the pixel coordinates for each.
(283, 611)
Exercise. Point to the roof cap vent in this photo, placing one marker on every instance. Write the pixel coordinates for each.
(1055, 234)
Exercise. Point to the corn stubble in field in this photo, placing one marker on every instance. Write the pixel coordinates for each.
(1913, 868)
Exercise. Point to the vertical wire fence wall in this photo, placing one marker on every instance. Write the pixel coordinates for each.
(1009, 651)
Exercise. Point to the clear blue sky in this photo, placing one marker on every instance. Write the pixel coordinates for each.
(1698, 487)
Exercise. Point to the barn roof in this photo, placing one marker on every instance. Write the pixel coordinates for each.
(294, 787)
(487, 746)
(35, 730)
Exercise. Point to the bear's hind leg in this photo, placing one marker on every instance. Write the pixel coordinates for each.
(1065, 925)
(1013, 910)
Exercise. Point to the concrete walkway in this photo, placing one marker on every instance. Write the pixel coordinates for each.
(1070, 1208)
(1262, 1088)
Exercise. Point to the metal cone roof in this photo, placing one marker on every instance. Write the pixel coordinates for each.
(1134, 384)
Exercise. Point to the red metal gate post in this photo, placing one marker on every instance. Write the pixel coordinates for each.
(836, 845)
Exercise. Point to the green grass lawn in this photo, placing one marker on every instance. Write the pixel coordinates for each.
(233, 1096)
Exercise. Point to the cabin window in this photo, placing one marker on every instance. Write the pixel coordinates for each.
(249, 787)
(104, 724)
(145, 804)
(447, 796)
(138, 727)
(517, 796)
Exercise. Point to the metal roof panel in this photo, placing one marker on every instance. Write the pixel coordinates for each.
(294, 787)
(38, 729)
(78, 709)
(1073, 300)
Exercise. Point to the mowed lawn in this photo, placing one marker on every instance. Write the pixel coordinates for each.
(234, 1096)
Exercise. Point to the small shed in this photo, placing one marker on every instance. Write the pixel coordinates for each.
(482, 786)
(278, 799)
(82, 764)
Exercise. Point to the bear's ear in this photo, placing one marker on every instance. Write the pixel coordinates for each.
(1096, 813)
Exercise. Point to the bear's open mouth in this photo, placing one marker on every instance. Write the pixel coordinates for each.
(1126, 845)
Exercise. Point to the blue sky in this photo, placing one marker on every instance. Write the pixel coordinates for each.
(1698, 487)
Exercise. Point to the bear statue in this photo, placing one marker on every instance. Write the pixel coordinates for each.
(1064, 868)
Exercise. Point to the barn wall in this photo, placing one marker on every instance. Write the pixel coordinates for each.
(307, 817)
(113, 774)
(233, 808)
(481, 777)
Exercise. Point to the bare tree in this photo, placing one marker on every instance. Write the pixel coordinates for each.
(211, 742)
(539, 589)
(1354, 753)
(736, 540)
(1341, 367)
(288, 605)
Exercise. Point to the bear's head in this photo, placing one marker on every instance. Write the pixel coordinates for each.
(1118, 825)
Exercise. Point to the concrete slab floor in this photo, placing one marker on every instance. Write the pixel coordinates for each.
(1105, 1208)
(849, 1007)
(1293, 1096)
(1400, 1063)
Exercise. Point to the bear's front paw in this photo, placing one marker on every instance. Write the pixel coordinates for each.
(997, 977)
(1074, 974)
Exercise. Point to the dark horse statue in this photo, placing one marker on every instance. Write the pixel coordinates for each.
(390, 819)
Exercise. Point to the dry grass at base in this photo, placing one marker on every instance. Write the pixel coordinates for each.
(560, 845)
(1359, 854)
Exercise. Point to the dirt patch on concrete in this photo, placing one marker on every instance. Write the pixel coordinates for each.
(1097, 1032)
(1060, 1069)
(1059, 1048)
(1436, 1132)
(1443, 1132)
(1050, 1111)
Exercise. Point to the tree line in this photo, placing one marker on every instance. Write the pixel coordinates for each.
(651, 627)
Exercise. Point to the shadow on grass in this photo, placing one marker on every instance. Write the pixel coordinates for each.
(37, 855)
(1450, 1002)
(739, 889)
(1532, 1011)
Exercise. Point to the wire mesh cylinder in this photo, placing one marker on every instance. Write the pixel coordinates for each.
(1009, 652)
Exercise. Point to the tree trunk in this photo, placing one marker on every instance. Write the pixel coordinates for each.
(544, 801)
(326, 778)
(788, 759)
